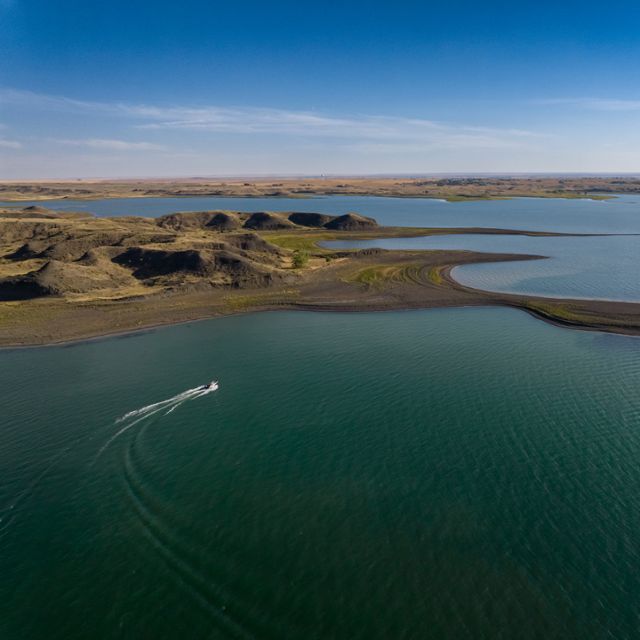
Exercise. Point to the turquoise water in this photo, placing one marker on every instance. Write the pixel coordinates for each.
(604, 267)
(468, 473)
(619, 215)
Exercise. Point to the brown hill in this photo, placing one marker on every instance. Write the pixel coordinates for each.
(267, 221)
(351, 222)
(81, 257)
(220, 267)
(315, 220)
(214, 220)
(57, 278)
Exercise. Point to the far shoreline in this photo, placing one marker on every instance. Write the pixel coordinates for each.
(449, 189)
(451, 200)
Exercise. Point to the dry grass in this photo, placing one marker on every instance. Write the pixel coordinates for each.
(452, 189)
(244, 302)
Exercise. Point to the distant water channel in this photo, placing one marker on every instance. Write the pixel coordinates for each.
(465, 473)
(618, 215)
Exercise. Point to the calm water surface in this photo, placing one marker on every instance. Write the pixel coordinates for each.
(467, 473)
(618, 215)
(604, 267)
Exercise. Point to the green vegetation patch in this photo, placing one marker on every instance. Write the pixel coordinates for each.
(300, 259)
(435, 275)
(300, 241)
(556, 310)
(379, 276)
(239, 302)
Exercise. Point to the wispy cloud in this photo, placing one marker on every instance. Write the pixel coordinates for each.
(451, 142)
(259, 120)
(595, 104)
(10, 144)
(112, 145)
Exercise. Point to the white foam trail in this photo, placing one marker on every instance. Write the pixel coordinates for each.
(185, 395)
(151, 409)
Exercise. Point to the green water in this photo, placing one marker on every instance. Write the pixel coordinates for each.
(469, 473)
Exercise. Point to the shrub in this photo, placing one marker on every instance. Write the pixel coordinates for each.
(300, 258)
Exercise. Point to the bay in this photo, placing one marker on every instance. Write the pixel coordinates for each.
(600, 267)
(460, 473)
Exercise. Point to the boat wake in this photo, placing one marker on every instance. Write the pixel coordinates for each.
(132, 418)
(170, 403)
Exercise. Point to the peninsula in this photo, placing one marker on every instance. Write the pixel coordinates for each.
(68, 276)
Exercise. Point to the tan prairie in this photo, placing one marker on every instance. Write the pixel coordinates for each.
(448, 188)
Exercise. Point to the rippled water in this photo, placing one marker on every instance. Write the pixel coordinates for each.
(618, 215)
(467, 473)
(604, 267)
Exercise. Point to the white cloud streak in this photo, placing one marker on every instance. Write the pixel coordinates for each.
(595, 104)
(258, 120)
(111, 145)
(10, 144)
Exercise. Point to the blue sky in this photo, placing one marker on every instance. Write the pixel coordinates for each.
(114, 88)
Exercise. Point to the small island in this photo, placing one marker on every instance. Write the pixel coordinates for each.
(69, 276)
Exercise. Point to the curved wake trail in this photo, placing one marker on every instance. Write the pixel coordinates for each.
(196, 392)
(132, 418)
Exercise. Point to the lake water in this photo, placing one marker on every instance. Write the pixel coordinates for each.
(618, 215)
(468, 473)
(460, 473)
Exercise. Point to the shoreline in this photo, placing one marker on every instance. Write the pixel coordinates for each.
(439, 198)
(449, 189)
(180, 285)
(541, 308)
(309, 308)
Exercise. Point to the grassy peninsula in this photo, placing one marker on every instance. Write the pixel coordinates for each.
(66, 276)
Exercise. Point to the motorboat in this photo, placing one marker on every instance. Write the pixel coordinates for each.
(211, 386)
